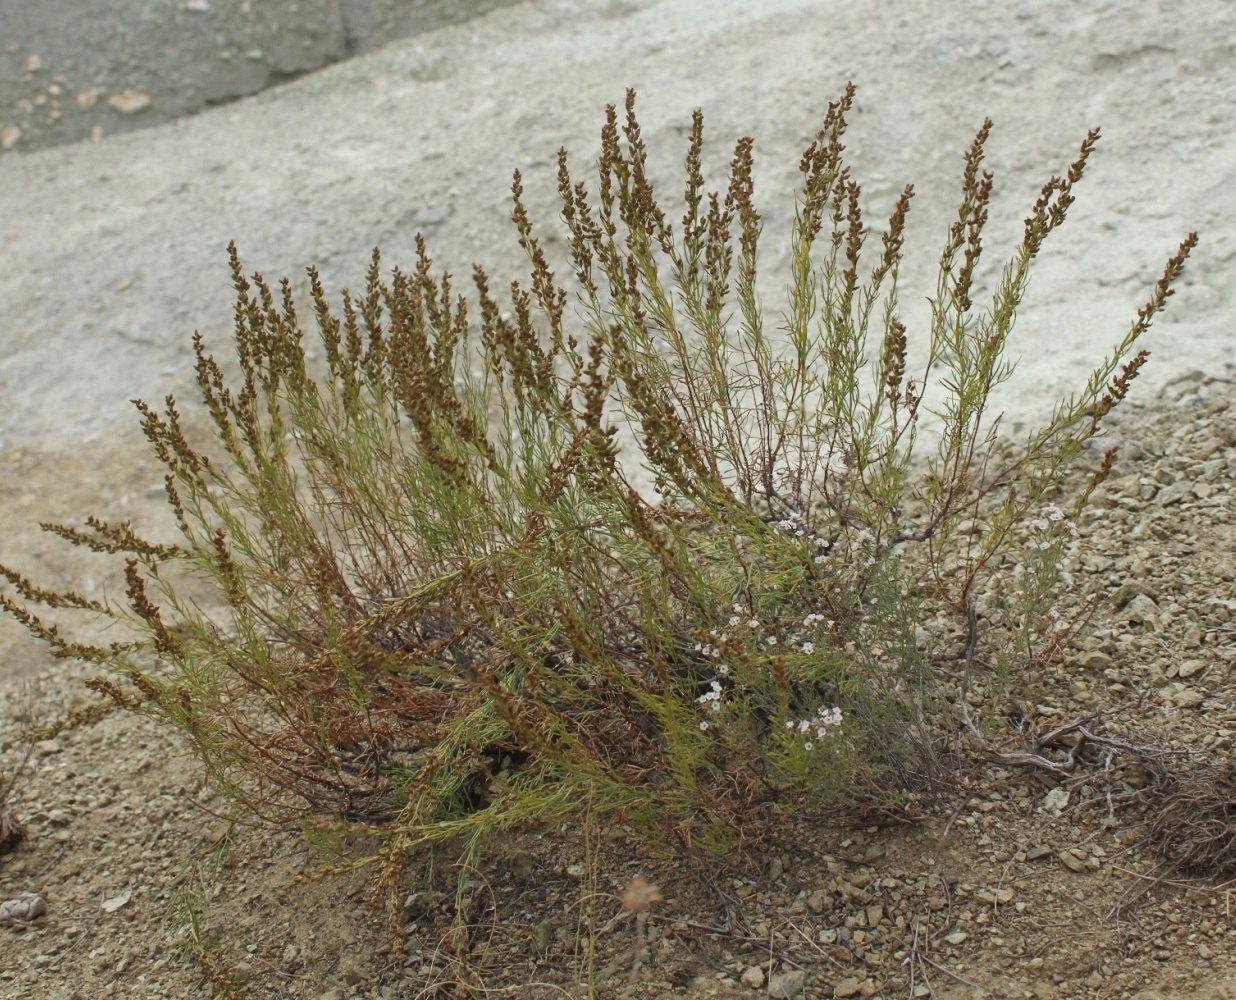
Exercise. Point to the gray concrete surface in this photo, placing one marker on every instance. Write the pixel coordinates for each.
(113, 252)
(79, 69)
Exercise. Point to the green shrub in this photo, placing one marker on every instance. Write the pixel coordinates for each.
(448, 610)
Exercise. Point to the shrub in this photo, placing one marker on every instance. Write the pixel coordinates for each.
(445, 609)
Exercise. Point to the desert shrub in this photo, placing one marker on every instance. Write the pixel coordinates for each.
(444, 608)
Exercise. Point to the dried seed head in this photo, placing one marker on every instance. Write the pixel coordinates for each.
(640, 895)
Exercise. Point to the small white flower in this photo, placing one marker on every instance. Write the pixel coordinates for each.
(808, 648)
(734, 619)
(723, 669)
(772, 640)
(808, 745)
(754, 623)
(703, 727)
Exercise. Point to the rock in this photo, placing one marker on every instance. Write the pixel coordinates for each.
(787, 984)
(543, 935)
(846, 988)
(818, 901)
(1055, 800)
(1173, 493)
(576, 871)
(753, 977)
(1127, 591)
(416, 905)
(116, 902)
(10, 136)
(25, 908)
(130, 102)
(1071, 861)
(875, 913)
(1041, 851)
(1190, 667)
(1188, 698)
(1138, 611)
(521, 862)
(957, 937)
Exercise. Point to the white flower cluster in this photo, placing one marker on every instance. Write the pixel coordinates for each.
(1051, 515)
(743, 620)
(712, 697)
(736, 621)
(825, 719)
(792, 525)
(811, 621)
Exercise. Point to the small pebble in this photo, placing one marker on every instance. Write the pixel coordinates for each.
(753, 977)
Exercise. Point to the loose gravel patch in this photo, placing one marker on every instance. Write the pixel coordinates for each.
(1020, 882)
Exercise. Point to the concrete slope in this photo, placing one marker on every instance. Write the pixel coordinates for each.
(113, 253)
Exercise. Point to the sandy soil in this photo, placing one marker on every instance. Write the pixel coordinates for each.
(1015, 882)
(113, 256)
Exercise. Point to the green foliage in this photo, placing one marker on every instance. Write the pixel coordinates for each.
(446, 610)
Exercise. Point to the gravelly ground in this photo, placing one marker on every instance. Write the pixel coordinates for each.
(113, 255)
(1028, 884)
